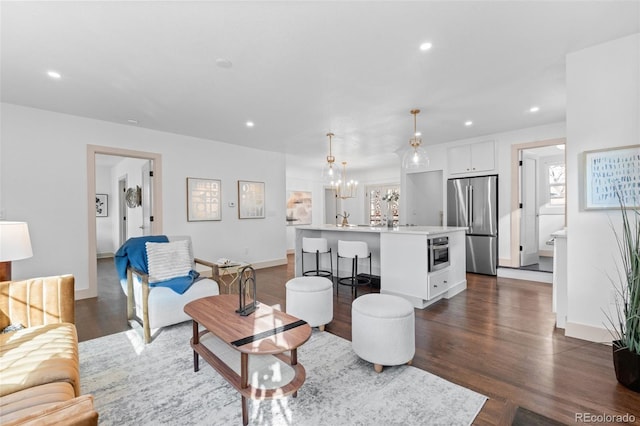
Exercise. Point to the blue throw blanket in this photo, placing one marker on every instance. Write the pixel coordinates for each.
(134, 253)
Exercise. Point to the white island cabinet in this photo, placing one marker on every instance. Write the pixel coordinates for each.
(399, 256)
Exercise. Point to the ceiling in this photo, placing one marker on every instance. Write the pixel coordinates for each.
(302, 69)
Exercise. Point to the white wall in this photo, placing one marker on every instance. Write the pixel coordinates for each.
(44, 178)
(603, 97)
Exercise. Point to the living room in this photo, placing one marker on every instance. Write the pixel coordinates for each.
(50, 133)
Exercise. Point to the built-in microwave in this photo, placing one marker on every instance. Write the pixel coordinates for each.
(438, 248)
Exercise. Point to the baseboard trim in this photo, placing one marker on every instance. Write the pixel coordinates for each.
(269, 263)
(508, 263)
(587, 332)
(104, 255)
(85, 294)
(522, 274)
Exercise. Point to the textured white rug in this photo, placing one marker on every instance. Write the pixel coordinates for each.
(134, 384)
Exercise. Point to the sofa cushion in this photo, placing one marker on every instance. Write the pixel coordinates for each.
(39, 355)
(28, 401)
(77, 411)
(37, 301)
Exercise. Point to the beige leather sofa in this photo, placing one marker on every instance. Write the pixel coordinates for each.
(39, 364)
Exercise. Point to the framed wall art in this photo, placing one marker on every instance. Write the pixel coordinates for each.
(204, 198)
(102, 205)
(298, 207)
(250, 200)
(612, 170)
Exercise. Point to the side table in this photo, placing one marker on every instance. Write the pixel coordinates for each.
(230, 274)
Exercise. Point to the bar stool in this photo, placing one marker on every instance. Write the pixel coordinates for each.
(353, 250)
(318, 246)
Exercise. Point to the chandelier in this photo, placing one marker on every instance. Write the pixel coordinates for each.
(345, 188)
(415, 157)
(328, 173)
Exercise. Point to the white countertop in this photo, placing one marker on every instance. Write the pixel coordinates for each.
(420, 230)
(560, 234)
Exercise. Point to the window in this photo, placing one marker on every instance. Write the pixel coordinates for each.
(378, 208)
(557, 184)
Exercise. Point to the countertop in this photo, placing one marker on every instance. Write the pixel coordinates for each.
(560, 234)
(419, 230)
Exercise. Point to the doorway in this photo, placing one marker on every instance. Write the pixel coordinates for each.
(538, 203)
(155, 202)
(424, 195)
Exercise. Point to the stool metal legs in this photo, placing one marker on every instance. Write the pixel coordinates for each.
(354, 281)
(318, 272)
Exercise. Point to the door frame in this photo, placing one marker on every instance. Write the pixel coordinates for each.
(92, 151)
(514, 262)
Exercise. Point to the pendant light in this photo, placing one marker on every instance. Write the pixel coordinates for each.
(329, 174)
(415, 157)
(344, 187)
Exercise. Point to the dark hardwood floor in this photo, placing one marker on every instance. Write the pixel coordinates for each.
(497, 338)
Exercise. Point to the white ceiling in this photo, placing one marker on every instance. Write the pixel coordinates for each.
(302, 69)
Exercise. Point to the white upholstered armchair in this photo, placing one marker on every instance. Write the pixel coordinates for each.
(160, 273)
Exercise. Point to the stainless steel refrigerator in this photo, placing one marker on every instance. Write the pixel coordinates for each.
(473, 203)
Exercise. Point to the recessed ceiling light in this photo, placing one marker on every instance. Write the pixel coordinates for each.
(132, 121)
(54, 74)
(249, 123)
(560, 147)
(223, 63)
(425, 46)
(468, 123)
(534, 109)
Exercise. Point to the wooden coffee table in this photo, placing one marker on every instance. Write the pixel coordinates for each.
(266, 331)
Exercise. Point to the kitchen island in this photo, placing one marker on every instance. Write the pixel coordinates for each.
(400, 256)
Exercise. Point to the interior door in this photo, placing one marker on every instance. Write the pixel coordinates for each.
(331, 207)
(147, 190)
(122, 211)
(423, 198)
(529, 209)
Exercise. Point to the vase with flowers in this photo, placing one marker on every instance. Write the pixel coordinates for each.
(391, 197)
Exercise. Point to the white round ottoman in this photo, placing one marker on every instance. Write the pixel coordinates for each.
(311, 299)
(383, 329)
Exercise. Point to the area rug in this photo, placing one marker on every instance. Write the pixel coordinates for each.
(137, 384)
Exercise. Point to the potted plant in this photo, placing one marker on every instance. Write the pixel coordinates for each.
(625, 323)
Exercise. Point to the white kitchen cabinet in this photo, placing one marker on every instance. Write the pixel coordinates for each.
(438, 283)
(405, 267)
(400, 256)
(472, 158)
